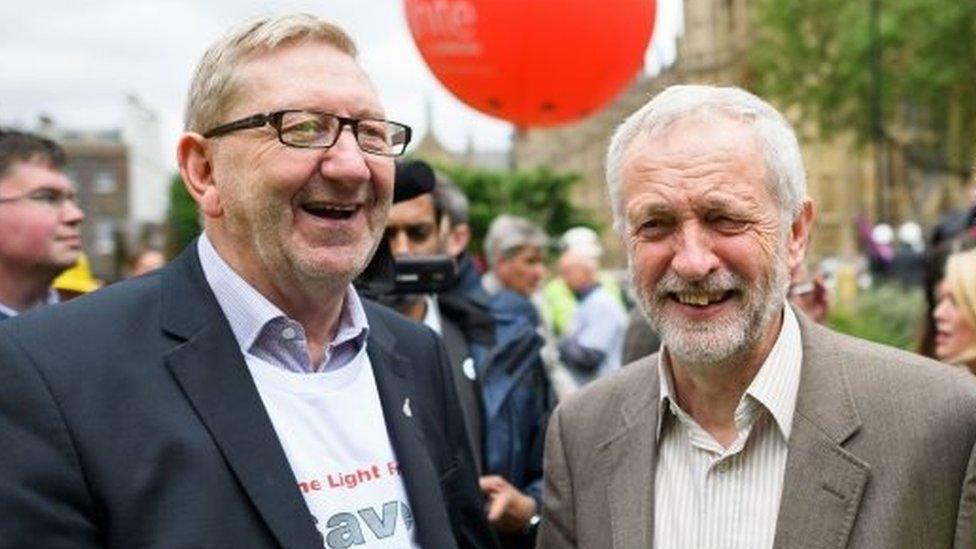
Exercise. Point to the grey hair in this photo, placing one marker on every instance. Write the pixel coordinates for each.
(450, 200)
(215, 88)
(774, 135)
(508, 234)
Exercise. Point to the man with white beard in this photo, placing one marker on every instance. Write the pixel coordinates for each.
(753, 427)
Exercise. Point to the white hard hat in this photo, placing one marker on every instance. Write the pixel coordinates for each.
(882, 233)
(910, 233)
(582, 240)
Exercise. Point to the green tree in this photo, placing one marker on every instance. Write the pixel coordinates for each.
(816, 56)
(888, 313)
(183, 219)
(540, 195)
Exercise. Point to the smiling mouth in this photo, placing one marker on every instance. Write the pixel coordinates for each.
(701, 299)
(330, 211)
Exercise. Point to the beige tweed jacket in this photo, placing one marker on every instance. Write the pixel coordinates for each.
(881, 454)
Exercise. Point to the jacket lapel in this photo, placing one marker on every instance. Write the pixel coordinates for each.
(629, 457)
(210, 369)
(400, 400)
(824, 483)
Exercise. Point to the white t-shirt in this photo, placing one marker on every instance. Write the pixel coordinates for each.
(332, 429)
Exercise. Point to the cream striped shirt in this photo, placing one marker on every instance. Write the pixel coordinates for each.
(707, 496)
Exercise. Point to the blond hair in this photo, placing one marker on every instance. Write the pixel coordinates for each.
(215, 88)
(961, 279)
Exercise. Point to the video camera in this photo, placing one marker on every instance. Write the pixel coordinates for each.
(387, 275)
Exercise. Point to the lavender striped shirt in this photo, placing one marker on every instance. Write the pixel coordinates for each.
(713, 497)
(264, 331)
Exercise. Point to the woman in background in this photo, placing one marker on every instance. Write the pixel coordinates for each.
(955, 312)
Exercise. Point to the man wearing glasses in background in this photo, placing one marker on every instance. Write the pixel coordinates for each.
(244, 395)
(39, 221)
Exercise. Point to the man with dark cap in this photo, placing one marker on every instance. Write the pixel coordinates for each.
(495, 358)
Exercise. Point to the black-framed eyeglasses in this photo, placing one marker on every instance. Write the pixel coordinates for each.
(308, 129)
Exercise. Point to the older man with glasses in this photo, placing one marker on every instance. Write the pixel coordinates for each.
(39, 221)
(244, 395)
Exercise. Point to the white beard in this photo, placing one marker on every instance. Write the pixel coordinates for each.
(734, 334)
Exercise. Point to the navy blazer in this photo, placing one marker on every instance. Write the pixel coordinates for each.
(129, 419)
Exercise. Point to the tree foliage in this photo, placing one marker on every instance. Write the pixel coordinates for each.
(183, 219)
(815, 55)
(889, 314)
(540, 195)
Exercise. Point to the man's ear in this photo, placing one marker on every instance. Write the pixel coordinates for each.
(799, 236)
(196, 168)
(458, 237)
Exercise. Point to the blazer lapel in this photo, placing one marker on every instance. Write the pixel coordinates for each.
(399, 399)
(629, 457)
(211, 371)
(824, 483)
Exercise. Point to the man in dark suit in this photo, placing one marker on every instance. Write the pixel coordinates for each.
(244, 396)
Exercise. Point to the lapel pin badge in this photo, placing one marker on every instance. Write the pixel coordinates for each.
(406, 407)
(468, 367)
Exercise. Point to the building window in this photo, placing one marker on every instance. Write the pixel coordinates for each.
(72, 175)
(104, 237)
(104, 182)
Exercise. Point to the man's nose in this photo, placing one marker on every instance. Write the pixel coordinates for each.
(693, 257)
(71, 213)
(399, 243)
(345, 162)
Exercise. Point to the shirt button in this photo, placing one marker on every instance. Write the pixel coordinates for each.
(723, 466)
(288, 333)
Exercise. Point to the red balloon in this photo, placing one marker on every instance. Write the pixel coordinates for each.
(533, 62)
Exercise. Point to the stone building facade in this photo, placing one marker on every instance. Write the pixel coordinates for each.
(98, 166)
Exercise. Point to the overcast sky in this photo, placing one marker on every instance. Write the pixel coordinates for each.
(75, 61)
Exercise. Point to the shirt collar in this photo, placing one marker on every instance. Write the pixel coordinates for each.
(51, 299)
(583, 294)
(776, 383)
(432, 317)
(248, 311)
